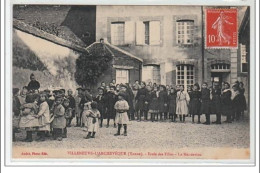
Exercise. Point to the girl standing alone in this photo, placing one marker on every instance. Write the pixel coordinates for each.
(182, 103)
(121, 108)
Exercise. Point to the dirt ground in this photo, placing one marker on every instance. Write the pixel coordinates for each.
(163, 135)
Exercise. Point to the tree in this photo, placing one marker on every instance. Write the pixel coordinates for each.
(90, 67)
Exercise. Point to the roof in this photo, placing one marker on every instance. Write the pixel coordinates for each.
(17, 24)
(111, 49)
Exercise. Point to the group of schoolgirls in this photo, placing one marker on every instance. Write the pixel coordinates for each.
(42, 112)
(171, 103)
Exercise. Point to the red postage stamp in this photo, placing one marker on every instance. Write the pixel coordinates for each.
(221, 28)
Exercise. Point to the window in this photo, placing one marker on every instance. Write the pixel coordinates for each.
(185, 75)
(244, 60)
(122, 76)
(185, 31)
(220, 67)
(148, 33)
(117, 33)
(151, 73)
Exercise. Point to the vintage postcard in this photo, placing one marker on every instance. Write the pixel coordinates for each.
(133, 83)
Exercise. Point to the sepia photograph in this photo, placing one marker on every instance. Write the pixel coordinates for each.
(167, 82)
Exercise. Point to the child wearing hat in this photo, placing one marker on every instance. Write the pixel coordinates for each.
(59, 121)
(92, 120)
(121, 108)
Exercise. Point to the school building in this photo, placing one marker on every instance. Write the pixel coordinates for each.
(167, 40)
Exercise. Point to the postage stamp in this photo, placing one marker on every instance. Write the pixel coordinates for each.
(221, 28)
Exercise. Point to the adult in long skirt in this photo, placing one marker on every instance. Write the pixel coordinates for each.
(153, 106)
(182, 102)
(216, 103)
(195, 102)
(78, 110)
(236, 103)
(100, 99)
(110, 100)
(205, 102)
(243, 98)
(162, 101)
(148, 100)
(140, 100)
(131, 111)
(172, 104)
(226, 102)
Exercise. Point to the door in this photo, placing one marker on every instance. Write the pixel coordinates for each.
(216, 77)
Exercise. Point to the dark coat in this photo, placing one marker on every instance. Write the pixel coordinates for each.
(153, 106)
(72, 102)
(172, 103)
(140, 98)
(226, 102)
(195, 103)
(237, 103)
(33, 85)
(243, 99)
(205, 101)
(16, 106)
(216, 101)
(162, 100)
(100, 99)
(110, 100)
(148, 99)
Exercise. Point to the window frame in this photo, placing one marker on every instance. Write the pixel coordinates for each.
(187, 71)
(123, 33)
(186, 33)
(128, 75)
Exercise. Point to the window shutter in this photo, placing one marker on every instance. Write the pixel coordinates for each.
(139, 33)
(129, 32)
(155, 32)
(113, 31)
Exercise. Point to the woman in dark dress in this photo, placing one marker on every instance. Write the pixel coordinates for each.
(140, 100)
(153, 106)
(236, 103)
(110, 100)
(243, 99)
(100, 99)
(162, 101)
(205, 102)
(195, 103)
(172, 104)
(216, 103)
(226, 102)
